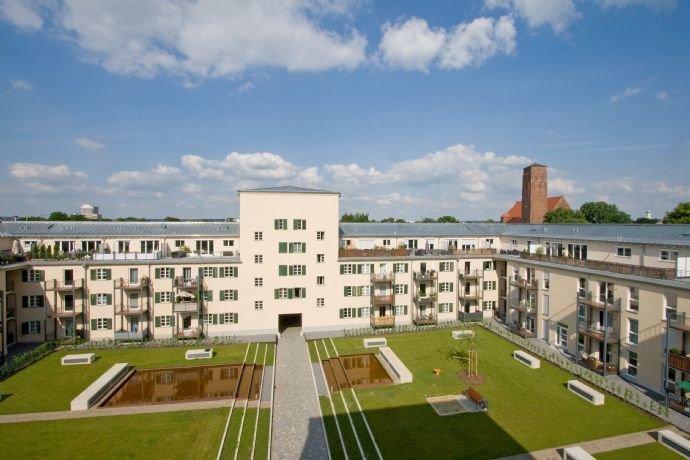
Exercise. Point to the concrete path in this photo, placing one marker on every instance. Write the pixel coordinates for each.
(297, 427)
(596, 446)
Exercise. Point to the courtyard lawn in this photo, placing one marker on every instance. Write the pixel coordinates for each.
(528, 409)
(653, 450)
(183, 435)
(48, 386)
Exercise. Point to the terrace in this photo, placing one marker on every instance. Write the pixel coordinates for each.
(382, 321)
(181, 282)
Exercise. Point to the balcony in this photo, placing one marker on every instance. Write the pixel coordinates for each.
(470, 316)
(524, 307)
(595, 365)
(597, 331)
(425, 298)
(67, 311)
(679, 321)
(130, 310)
(186, 306)
(133, 285)
(191, 333)
(188, 284)
(386, 277)
(373, 253)
(429, 275)
(679, 361)
(9, 313)
(384, 299)
(126, 335)
(470, 295)
(524, 283)
(64, 286)
(471, 275)
(382, 321)
(424, 319)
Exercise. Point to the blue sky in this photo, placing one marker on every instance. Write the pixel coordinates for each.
(409, 109)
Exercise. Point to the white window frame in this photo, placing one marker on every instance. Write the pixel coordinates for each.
(258, 236)
(444, 287)
(166, 321)
(445, 266)
(258, 282)
(101, 274)
(165, 272)
(320, 258)
(320, 235)
(348, 313)
(320, 302)
(633, 363)
(562, 336)
(668, 255)
(445, 307)
(34, 327)
(207, 272)
(624, 251)
(633, 336)
(101, 299)
(258, 258)
(282, 293)
(386, 242)
(547, 281)
(633, 295)
(102, 324)
(228, 318)
(228, 243)
(33, 276)
(258, 305)
(320, 280)
(165, 296)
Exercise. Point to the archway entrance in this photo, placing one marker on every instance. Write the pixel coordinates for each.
(291, 320)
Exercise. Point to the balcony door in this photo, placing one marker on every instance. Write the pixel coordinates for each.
(68, 327)
(187, 274)
(134, 325)
(134, 300)
(69, 277)
(133, 275)
(382, 311)
(382, 269)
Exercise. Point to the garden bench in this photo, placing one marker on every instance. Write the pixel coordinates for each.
(474, 396)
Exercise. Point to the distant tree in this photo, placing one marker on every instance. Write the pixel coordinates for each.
(34, 251)
(388, 220)
(356, 217)
(447, 220)
(427, 220)
(679, 215)
(646, 220)
(32, 218)
(130, 219)
(490, 221)
(58, 215)
(600, 212)
(171, 219)
(77, 217)
(565, 216)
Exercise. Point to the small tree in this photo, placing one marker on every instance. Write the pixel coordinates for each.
(42, 251)
(447, 220)
(679, 215)
(565, 216)
(56, 250)
(49, 253)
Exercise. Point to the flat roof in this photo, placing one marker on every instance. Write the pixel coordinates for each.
(288, 189)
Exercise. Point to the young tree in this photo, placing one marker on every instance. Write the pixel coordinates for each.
(565, 216)
(356, 217)
(58, 215)
(447, 220)
(600, 212)
(679, 215)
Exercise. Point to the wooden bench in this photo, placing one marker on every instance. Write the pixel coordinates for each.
(476, 398)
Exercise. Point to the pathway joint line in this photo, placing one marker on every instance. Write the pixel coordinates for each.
(258, 409)
(352, 424)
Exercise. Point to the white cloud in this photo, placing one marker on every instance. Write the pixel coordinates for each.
(89, 144)
(354, 174)
(410, 45)
(154, 178)
(21, 13)
(248, 166)
(25, 171)
(662, 96)
(209, 38)
(22, 85)
(564, 186)
(656, 5)
(558, 14)
(632, 91)
(243, 88)
(475, 42)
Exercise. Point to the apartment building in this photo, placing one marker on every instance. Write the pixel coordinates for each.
(613, 297)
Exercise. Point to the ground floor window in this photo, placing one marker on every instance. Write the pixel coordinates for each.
(31, 327)
(562, 335)
(632, 364)
(445, 307)
(400, 310)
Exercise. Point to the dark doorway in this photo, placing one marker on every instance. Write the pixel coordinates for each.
(285, 321)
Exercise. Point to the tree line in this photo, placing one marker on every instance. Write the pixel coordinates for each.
(600, 212)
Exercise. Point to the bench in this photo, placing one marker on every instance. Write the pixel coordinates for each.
(202, 353)
(375, 342)
(106, 382)
(677, 443)
(576, 453)
(464, 334)
(527, 360)
(72, 360)
(585, 392)
(474, 396)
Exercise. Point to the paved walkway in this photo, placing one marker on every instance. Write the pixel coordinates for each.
(596, 446)
(297, 427)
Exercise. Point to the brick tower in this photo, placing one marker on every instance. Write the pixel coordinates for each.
(534, 193)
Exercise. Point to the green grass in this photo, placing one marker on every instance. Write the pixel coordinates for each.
(262, 431)
(345, 427)
(247, 440)
(48, 386)
(334, 443)
(183, 435)
(364, 438)
(232, 434)
(528, 409)
(653, 450)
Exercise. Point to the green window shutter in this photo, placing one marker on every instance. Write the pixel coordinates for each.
(282, 247)
(405, 310)
(93, 324)
(236, 317)
(41, 275)
(405, 289)
(157, 273)
(395, 268)
(290, 293)
(157, 297)
(304, 269)
(359, 313)
(290, 248)
(92, 274)
(371, 268)
(451, 308)
(108, 273)
(222, 296)
(342, 313)
(237, 296)
(236, 272)
(290, 271)
(221, 319)
(304, 292)
(108, 299)
(209, 296)
(158, 321)
(215, 272)
(304, 247)
(25, 278)
(451, 286)
(282, 270)
(172, 320)
(275, 224)
(342, 269)
(221, 272)
(452, 266)
(201, 272)
(357, 269)
(215, 319)
(344, 291)
(405, 268)
(275, 293)
(93, 299)
(108, 323)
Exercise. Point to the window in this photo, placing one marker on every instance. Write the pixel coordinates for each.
(165, 272)
(33, 301)
(179, 243)
(258, 282)
(65, 246)
(633, 299)
(89, 245)
(347, 312)
(228, 272)
(547, 280)
(632, 364)
(489, 265)
(258, 305)
(163, 297)
(32, 276)
(320, 280)
(258, 259)
(280, 224)
(281, 293)
(633, 331)
(489, 285)
(489, 305)
(228, 294)
(545, 305)
(122, 246)
(399, 268)
(297, 270)
(230, 318)
(320, 302)
(606, 292)
(445, 287)
(101, 274)
(446, 267)
(364, 290)
(400, 310)
(258, 236)
(149, 246)
(208, 272)
(670, 306)
(298, 247)
(228, 243)
(346, 269)
(623, 252)
(208, 318)
(348, 291)
(582, 288)
(31, 327)
(445, 307)
(299, 224)
(102, 299)
(577, 251)
(386, 242)
(320, 235)
(28, 245)
(668, 255)
(207, 296)
(581, 313)
(164, 321)
(513, 244)
(411, 244)
(102, 324)
(400, 288)
(204, 246)
(562, 335)
(320, 258)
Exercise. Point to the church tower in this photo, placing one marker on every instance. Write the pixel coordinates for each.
(534, 194)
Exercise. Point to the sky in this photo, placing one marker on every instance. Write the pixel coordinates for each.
(409, 109)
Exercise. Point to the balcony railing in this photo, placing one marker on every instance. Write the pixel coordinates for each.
(382, 277)
(67, 311)
(597, 302)
(524, 282)
(425, 298)
(188, 333)
(136, 309)
(597, 331)
(126, 335)
(57, 285)
(130, 284)
(382, 321)
(373, 252)
(425, 319)
(524, 307)
(636, 270)
(9, 313)
(678, 321)
(595, 365)
(403, 252)
(471, 275)
(470, 316)
(186, 306)
(428, 275)
(181, 282)
(470, 295)
(679, 361)
(384, 299)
